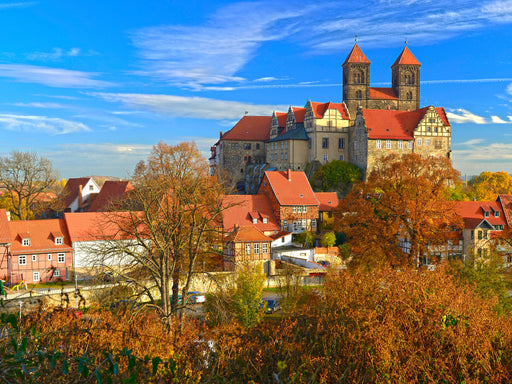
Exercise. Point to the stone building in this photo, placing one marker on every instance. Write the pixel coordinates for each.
(368, 123)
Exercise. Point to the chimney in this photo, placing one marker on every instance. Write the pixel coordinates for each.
(289, 175)
(80, 189)
(220, 135)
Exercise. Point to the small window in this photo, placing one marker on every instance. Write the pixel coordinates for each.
(91, 187)
(427, 142)
(264, 248)
(56, 273)
(326, 158)
(255, 221)
(487, 214)
(378, 144)
(34, 257)
(342, 158)
(418, 142)
(257, 145)
(400, 144)
(304, 223)
(22, 260)
(480, 235)
(388, 144)
(248, 249)
(285, 224)
(59, 241)
(313, 223)
(341, 143)
(410, 144)
(485, 234)
(35, 276)
(61, 257)
(49, 256)
(496, 213)
(325, 142)
(256, 247)
(265, 220)
(25, 242)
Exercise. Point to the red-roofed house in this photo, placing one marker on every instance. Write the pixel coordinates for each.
(293, 201)
(378, 132)
(245, 244)
(328, 203)
(40, 251)
(111, 191)
(249, 210)
(78, 193)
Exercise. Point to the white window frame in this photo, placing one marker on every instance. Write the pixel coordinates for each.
(264, 248)
(285, 224)
(400, 144)
(388, 144)
(326, 158)
(255, 221)
(34, 274)
(22, 260)
(56, 272)
(34, 258)
(418, 142)
(410, 144)
(59, 240)
(256, 248)
(304, 223)
(248, 248)
(49, 257)
(61, 257)
(378, 144)
(313, 223)
(427, 142)
(26, 242)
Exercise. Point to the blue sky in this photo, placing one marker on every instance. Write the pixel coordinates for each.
(94, 84)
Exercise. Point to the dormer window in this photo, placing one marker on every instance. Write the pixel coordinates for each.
(91, 187)
(487, 213)
(496, 213)
(25, 242)
(59, 240)
(255, 221)
(265, 220)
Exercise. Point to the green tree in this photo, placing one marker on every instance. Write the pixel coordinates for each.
(336, 176)
(306, 239)
(248, 293)
(328, 239)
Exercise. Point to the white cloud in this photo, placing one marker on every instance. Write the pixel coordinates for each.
(509, 89)
(473, 157)
(22, 4)
(52, 77)
(191, 107)
(463, 116)
(472, 142)
(498, 120)
(50, 125)
(54, 54)
(215, 52)
(40, 105)
(499, 11)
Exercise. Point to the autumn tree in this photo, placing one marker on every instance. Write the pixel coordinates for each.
(488, 185)
(400, 211)
(25, 176)
(169, 221)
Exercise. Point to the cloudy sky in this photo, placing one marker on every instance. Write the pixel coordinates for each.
(94, 84)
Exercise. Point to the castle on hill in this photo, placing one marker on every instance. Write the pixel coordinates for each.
(369, 123)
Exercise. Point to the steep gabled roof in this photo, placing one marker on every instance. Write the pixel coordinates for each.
(250, 128)
(111, 191)
(247, 234)
(472, 212)
(406, 58)
(72, 189)
(41, 235)
(240, 208)
(396, 125)
(5, 234)
(506, 204)
(281, 118)
(299, 114)
(356, 56)
(328, 201)
(319, 109)
(291, 187)
(383, 94)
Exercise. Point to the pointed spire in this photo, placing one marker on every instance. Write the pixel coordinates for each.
(356, 56)
(406, 58)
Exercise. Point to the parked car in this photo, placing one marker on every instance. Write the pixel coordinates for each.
(196, 297)
(270, 305)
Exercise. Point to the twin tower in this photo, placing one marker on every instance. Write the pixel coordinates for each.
(403, 95)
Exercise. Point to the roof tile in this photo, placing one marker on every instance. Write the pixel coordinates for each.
(356, 56)
(250, 128)
(291, 188)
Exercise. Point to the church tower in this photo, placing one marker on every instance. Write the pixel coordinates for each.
(356, 80)
(405, 80)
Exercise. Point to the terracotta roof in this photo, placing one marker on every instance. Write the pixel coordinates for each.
(240, 209)
(383, 94)
(319, 109)
(506, 204)
(397, 125)
(111, 191)
(406, 58)
(291, 188)
(90, 226)
(247, 234)
(280, 234)
(281, 118)
(40, 234)
(250, 128)
(356, 56)
(5, 235)
(473, 213)
(328, 200)
(299, 114)
(72, 189)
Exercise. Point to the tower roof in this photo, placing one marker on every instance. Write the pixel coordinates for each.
(356, 56)
(406, 58)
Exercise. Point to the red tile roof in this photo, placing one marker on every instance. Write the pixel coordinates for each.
(383, 94)
(280, 234)
(473, 213)
(40, 233)
(356, 56)
(250, 128)
(111, 191)
(90, 226)
(247, 234)
(328, 201)
(240, 208)
(291, 188)
(506, 203)
(406, 58)
(281, 118)
(72, 189)
(319, 109)
(396, 125)
(5, 234)
(299, 114)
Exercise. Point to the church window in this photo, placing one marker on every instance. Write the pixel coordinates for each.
(378, 144)
(388, 144)
(358, 78)
(359, 95)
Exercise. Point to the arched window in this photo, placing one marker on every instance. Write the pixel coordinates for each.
(358, 78)
(409, 96)
(409, 78)
(359, 94)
